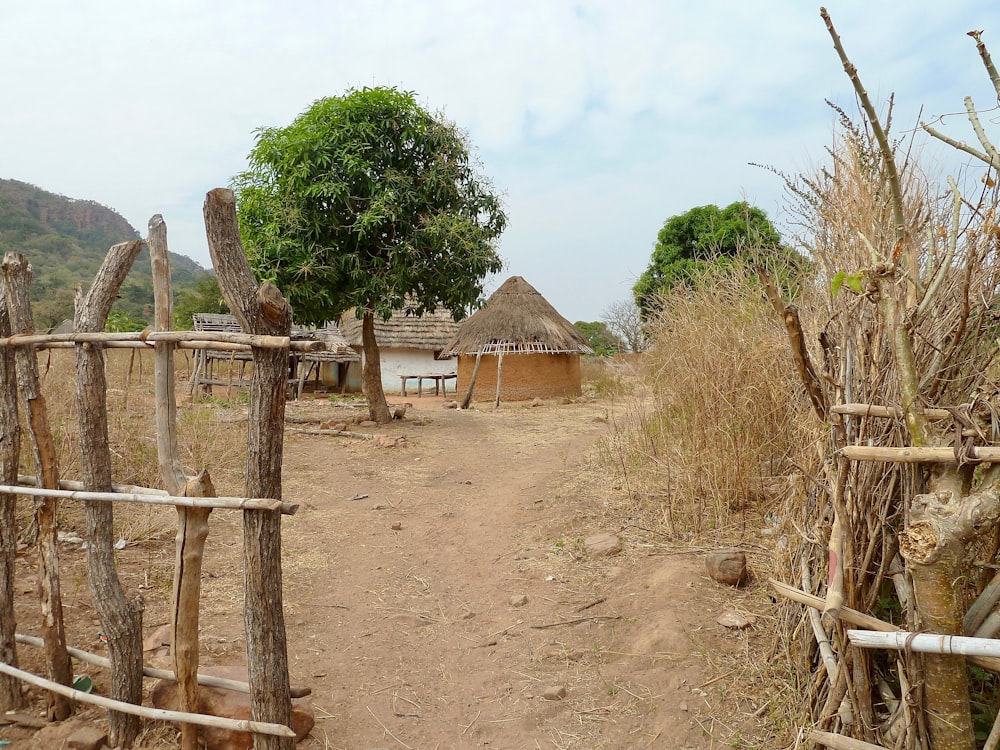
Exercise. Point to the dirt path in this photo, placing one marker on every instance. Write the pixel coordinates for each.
(437, 588)
(413, 636)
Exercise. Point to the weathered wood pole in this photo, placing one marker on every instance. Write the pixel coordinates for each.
(11, 696)
(17, 275)
(121, 619)
(496, 403)
(472, 381)
(192, 523)
(259, 309)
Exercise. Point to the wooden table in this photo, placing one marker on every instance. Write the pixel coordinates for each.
(440, 382)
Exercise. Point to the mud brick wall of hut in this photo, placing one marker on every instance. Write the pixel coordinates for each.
(524, 376)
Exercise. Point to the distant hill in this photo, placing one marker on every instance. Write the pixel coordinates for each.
(66, 240)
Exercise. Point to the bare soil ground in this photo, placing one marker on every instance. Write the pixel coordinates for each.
(402, 574)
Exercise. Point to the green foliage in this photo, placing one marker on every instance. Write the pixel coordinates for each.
(601, 339)
(65, 241)
(368, 201)
(690, 243)
(204, 297)
(120, 321)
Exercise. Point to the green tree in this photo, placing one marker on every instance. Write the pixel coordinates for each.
(601, 339)
(205, 297)
(703, 235)
(368, 201)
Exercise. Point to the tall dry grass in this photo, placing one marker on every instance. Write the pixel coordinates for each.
(706, 444)
(209, 436)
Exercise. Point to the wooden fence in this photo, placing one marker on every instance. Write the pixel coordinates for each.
(265, 320)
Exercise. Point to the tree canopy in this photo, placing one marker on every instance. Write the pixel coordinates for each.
(368, 201)
(601, 339)
(689, 241)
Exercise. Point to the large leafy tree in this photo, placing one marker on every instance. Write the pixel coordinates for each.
(369, 201)
(690, 241)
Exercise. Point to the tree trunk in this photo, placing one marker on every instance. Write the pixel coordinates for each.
(259, 309)
(11, 696)
(120, 618)
(472, 381)
(371, 375)
(17, 274)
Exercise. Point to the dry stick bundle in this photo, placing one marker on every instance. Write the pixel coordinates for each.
(928, 342)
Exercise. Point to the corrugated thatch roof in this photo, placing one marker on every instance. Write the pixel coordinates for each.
(517, 320)
(431, 331)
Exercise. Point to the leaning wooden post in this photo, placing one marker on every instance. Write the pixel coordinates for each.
(496, 404)
(259, 309)
(11, 696)
(17, 274)
(472, 381)
(192, 523)
(120, 618)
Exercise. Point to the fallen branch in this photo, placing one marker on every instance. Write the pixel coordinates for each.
(343, 433)
(839, 742)
(576, 621)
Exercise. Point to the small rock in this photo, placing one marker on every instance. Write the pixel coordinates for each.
(556, 693)
(603, 544)
(450, 404)
(728, 566)
(735, 621)
(87, 738)
(367, 423)
(536, 402)
(396, 526)
(599, 418)
(683, 706)
(518, 600)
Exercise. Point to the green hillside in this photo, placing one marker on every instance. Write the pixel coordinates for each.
(66, 240)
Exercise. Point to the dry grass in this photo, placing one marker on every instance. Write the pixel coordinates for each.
(206, 439)
(705, 445)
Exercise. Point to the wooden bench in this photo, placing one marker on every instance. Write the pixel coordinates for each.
(440, 382)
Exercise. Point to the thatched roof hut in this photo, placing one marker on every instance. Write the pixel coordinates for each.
(524, 344)
(431, 331)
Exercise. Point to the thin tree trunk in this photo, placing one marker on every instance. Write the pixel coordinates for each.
(120, 618)
(11, 696)
(472, 381)
(371, 374)
(17, 274)
(259, 309)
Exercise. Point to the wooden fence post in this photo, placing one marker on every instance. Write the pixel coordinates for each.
(11, 696)
(261, 310)
(120, 619)
(17, 274)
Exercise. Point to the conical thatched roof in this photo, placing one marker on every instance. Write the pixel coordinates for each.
(517, 320)
(431, 331)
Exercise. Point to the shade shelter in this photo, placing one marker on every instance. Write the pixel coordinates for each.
(525, 348)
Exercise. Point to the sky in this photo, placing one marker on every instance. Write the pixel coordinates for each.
(595, 120)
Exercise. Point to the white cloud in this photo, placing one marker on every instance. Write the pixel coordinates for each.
(598, 119)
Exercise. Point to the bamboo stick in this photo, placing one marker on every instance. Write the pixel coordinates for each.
(161, 714)
(235, 503)
(926, 643)
(199, 344)
(887, 412)
(915, 454)
(72, 484)
(839, 742)
(154, 673)
(846, 613)
(259, 341)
